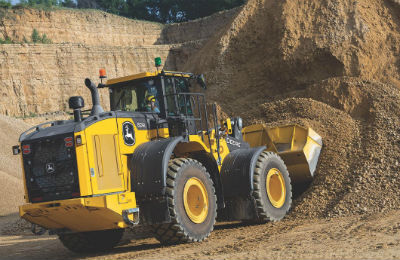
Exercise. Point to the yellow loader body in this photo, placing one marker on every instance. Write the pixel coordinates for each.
(155, 154)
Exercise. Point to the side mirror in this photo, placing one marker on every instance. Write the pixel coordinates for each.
(201, 81)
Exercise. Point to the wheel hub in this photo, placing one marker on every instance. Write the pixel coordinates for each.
(195, 200)
(275, 186)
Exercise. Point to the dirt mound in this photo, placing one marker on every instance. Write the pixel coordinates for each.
(360, 159)
(273, 47)
(12, 192)
(11, 129)
(332, 66)
(13, 225)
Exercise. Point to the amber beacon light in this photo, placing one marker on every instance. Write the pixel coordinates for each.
(102, 73)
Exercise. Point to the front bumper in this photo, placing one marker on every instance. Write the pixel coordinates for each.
(81, 214)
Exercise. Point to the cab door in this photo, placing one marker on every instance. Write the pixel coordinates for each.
(186, 104)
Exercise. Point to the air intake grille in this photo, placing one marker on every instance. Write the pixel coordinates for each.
(50, 169)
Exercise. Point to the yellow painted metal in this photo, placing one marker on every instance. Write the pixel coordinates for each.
(107, 160)
(195, 200)
(131, 77)
(141, 136)
(176, 74)
(81, 214)
(276, 189)
(26, 197)
(229, 125)
(83, 166)
(196, 143)
(104, 157)
(145, 75)
(299, 147)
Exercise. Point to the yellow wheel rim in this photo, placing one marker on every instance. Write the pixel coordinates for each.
(195, 200)
(276, 190)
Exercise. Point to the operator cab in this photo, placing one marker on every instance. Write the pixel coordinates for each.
(165, 97)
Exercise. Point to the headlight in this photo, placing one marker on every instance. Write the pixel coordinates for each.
(240, 123)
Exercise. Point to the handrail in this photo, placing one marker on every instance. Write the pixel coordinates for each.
(39, 127)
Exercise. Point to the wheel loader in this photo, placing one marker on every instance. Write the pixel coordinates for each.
(160, 157)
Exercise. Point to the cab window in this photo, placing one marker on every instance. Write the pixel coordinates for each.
(170, 96)
(135, 95)
(184, 101)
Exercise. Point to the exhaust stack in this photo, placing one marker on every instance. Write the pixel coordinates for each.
(96, 109)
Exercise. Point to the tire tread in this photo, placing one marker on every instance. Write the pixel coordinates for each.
(174, 232)
(263, 214)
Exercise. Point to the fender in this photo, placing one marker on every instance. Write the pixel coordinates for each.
(149, 166)
(237, 172)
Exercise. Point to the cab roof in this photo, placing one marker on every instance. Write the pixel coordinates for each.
(143, 75)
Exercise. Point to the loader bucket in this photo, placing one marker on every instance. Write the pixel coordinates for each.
(299, 147)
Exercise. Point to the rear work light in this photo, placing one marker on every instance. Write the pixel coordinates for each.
(78, 140)
(69, 141)
(26, 149)
(16, 150)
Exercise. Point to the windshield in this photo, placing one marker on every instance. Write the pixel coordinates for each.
(142, 95)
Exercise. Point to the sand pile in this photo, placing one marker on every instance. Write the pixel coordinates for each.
(330, 65)
(359, 167)
(12, 191)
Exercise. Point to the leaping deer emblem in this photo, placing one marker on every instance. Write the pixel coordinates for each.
(128, 133)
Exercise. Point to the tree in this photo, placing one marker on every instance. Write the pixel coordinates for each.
(45, 40)
(35, 37)
(69, 3)
(168, 11)
(5, 3)
(87, 4)
(118, 7)
(164, 11)
(137, 9)
(201, 8)
(44, 3)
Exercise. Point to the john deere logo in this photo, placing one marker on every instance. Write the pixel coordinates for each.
(50, 168)
(128, 133)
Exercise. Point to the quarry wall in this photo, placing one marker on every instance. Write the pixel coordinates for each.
(39, 78)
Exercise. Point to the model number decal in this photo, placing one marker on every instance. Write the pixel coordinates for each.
(140, 125)
(232, 142)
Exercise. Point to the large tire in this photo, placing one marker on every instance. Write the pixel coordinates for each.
(272, 188)
(89, 242)
(192, 203)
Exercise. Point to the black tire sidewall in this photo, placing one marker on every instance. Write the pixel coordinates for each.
(187, 171)
(277, 213)
(95, 241)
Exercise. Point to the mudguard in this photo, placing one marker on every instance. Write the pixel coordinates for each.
(237, 172)
(149, 166)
